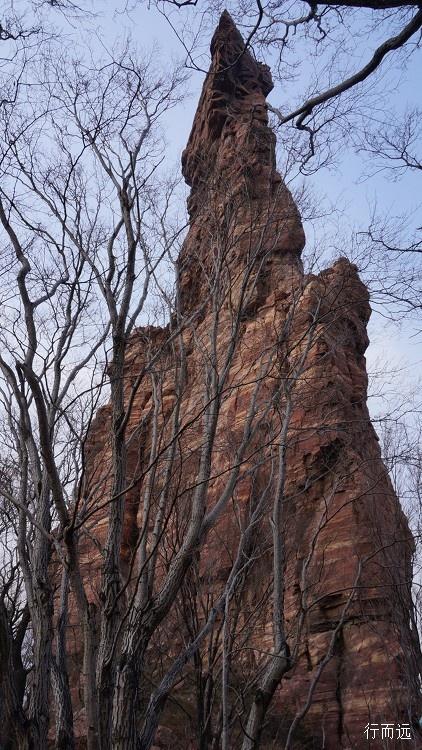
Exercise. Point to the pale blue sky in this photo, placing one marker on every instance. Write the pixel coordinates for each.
(343, 185)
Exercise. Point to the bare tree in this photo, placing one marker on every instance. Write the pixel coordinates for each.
(139, 429)
(70, 262)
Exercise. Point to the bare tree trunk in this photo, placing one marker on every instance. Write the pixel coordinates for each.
(42, 627)
(14, 727)
(59, 673)
(111, 578)
(39, 709)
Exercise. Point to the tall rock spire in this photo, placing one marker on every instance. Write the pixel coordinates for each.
(230, 165)
(233, 95)
(257, 411)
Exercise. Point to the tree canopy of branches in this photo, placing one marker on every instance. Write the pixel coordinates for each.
(91, 322)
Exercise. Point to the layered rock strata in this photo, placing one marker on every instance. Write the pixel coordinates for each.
(287, 350)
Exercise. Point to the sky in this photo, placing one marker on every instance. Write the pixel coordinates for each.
(392, 348)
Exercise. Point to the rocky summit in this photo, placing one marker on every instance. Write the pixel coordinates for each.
(297, 501)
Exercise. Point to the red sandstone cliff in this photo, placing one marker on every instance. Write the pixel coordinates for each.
(290, 350)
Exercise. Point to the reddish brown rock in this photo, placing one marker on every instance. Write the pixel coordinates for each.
(348, 546)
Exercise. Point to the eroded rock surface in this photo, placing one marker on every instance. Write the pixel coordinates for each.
(291, 343)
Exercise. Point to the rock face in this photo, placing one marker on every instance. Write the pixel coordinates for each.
(288, 352)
